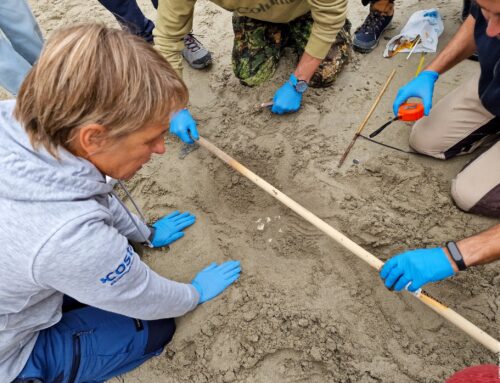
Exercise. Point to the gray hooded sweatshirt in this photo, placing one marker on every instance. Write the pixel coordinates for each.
(62, 232)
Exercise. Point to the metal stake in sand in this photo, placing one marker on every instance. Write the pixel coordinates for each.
(482, 337)
(362, 126)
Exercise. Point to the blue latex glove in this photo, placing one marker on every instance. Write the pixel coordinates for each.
(286, 99)
(169, 228)
(181, 124)
(421, 86)
(418, 267)
(213, 280)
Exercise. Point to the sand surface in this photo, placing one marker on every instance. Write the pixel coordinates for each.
(305, 309)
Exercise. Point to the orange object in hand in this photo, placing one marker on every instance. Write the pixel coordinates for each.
(411, 111)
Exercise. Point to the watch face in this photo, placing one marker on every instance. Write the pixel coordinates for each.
(301, 86)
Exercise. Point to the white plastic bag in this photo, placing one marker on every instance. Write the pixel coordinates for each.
(427, 24)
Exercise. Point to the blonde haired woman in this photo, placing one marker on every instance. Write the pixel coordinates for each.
(96, 104)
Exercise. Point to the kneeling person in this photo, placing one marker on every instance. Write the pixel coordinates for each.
(317, 30)
(462, 121)
(77, 304)
(468, 116)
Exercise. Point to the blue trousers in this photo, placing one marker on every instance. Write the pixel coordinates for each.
(91, 345)
(20, 43)
(130, 17)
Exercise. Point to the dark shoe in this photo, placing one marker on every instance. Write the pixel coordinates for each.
(336, 59)
(368, 34)
(473, 57)
(197, 56)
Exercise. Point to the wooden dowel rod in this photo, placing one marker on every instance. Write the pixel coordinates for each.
(367, 117)
(479, 335)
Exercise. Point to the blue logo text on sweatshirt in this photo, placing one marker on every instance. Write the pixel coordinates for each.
(123, 268)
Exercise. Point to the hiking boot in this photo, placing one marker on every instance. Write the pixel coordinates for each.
(336, 59)
(368, 34)
(197, 56)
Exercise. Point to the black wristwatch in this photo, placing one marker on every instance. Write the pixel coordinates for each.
(456, 255)
(299, 85)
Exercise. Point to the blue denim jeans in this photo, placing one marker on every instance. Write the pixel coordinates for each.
(131, 18)
(20, 43)
(93, 345)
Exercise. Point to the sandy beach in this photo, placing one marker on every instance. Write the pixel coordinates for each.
(306, 309)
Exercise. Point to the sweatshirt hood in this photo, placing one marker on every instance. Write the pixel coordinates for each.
(27, 174)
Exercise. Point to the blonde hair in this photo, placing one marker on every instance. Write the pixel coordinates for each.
(93, 74)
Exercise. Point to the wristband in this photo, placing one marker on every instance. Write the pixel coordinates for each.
(456, 255)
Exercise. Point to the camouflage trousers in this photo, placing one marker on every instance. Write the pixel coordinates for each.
(258, 46)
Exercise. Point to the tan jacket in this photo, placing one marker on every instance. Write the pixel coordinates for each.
(175, 19)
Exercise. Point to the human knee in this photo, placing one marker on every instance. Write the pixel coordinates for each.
(461, 196)
(466, 198)
(336, 59)
(423, 140)
(160, 333)
(243, 71)
(256, 49)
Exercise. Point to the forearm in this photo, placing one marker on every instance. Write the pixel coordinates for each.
(306, 67)
(461, 46)
(481, 248)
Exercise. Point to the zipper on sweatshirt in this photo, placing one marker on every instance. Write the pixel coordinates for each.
(75, 364)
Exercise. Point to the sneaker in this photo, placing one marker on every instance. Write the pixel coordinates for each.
(368, 34)
(197, 56)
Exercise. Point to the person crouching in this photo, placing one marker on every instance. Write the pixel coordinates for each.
(77, 304)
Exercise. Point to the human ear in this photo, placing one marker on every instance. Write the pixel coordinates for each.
(92, 139)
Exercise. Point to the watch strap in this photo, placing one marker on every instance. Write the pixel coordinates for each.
(456, 255)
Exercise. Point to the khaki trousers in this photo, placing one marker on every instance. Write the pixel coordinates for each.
(459, 124)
